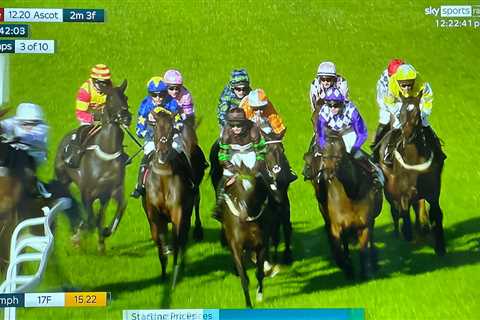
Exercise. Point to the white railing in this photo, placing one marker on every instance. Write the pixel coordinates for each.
(39, 250)
(4, 78)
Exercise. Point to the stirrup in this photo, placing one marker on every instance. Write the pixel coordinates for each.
(43, 191)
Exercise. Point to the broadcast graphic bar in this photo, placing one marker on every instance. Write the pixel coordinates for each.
(51, 15)
(54, 299)
(242, 314)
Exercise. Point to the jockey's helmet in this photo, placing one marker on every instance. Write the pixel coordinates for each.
(100, 72)
(327, 69)
(406, 75)
(334, 98)
(173, 77)
(406, 72)
(156, 85)
(393, 66)
(257, 99)
(239, 77)
(29, 112)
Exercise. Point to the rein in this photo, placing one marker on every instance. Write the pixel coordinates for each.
(233, 209)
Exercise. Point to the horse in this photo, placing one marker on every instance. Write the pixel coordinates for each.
(349, 203)
(245, 221)
(101, 172)
(279, 205)
(169, 197)
(414, 175)
(198, 164)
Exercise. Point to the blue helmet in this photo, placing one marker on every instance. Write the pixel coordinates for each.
(156, 84)
(333, 94)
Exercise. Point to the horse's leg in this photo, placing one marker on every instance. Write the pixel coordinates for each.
(364, 240)
(436, 218)
(198, 231)
(87, 201)
(287, 231)
(337, 250)
(237, 250)
(119, 197)
(158, 232)
(421, 217)
(181, 225)
(407, 225)
(373, 249)
(395, 218)
(100, 221)
(260, 250)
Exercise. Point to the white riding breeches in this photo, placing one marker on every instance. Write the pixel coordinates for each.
(248, 158)
(349, 139)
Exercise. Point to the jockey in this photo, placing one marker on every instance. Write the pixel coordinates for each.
(236, 89)
(157, 99)
(343, 117)
(407, 82)
(240, 143)
(90, 98)
(261, 111)
(29, 131)
(174, 80)
(327, 77)
(89, 105)
(382, 90)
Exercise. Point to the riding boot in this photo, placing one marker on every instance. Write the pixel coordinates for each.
(74, 150)
(308, 157)
(140, 186)
(217, 214)
(432, 141)
(391, 145)
(382, 129)
(368, 166)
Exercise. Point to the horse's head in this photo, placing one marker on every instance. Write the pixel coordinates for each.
(276, 162)
(409, 115)
(332, 157)
(164, 130)
(116, 108)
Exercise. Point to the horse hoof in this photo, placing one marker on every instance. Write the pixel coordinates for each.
(101, 249)
(106, 232)
(440, 251)
(75, 240)
(287, 258)
(259, 297)
(198, 234)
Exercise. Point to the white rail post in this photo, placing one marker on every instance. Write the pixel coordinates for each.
(4, 78)
(41, 247)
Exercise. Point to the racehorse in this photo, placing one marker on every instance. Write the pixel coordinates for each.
(279, 205)
(413, 176)
(245, 222)
(349, 203)
(198, 164)
(169, 196)
(101, 172)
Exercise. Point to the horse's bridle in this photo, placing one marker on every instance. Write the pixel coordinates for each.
(276, 167)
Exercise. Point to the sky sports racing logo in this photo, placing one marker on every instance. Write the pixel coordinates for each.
(454, 11)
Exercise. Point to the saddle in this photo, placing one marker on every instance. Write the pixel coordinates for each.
(75, 148)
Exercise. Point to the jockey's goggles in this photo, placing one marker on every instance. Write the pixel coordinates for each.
(327, 79)
(334, 104)
(174, 88)
(157, 94)
(237, 124)
(406, 83)
(30, 123)
(241, 89)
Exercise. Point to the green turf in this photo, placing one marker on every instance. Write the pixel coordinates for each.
(280, 43)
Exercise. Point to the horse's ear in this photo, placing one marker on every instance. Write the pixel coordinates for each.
(123, 86)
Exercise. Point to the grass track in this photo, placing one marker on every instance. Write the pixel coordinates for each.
(280, 43)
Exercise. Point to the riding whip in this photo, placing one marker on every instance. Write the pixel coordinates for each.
(132, 136)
